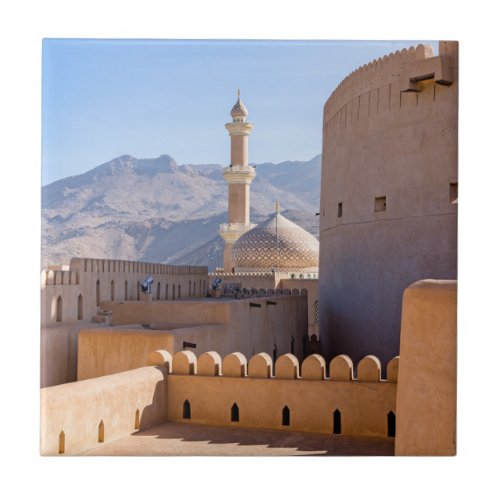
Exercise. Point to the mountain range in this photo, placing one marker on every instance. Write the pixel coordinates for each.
(155, 210)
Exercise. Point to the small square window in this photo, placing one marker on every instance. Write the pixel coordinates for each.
(380, 204)
(339, 210)
(453, 193)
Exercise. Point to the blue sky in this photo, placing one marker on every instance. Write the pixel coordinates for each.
(105, 98)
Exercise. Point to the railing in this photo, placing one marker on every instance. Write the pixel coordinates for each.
(239, 168)
(236, 227)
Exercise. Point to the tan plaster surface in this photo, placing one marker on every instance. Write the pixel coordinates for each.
(380, 142)
(427, 378)
(172, 439)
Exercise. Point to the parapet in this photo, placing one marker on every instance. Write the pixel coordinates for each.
(286, 367)
(403, 69)
(85, 265)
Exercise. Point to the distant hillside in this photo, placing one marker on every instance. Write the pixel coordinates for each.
(155, 210)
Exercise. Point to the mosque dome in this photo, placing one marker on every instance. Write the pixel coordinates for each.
(239, 110)
(277, 243)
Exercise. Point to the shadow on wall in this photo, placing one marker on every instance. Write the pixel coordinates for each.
(111, 423)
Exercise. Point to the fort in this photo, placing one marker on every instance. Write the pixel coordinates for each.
(237, 348)
(389, 192)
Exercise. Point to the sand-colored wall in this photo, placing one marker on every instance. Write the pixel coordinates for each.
(118, 349)
(363, 406)
(427, 380)
(381, 140)
(58, 352)
(78, 408)
(221, 325)
(311, 285)
(118, 281)
(266, 281)
(179, 311)
(261, 389)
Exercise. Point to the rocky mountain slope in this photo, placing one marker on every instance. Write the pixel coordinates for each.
(157, 211)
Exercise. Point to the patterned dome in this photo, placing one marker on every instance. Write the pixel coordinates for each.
(239, 110)
(276, 243)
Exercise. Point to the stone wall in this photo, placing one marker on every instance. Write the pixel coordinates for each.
(78, 416)
(388, 195)
(284, 396)
(271, 323)
(72, 297)
(427, 389)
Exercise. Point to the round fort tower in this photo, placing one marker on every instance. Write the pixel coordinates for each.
(388, 195)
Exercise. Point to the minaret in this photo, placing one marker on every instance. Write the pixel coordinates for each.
(239, 175)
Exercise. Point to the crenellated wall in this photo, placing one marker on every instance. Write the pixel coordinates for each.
(274, 322)
(95, 280)
(389, 186)
(71, 300)
(261, 390)
(206, 389)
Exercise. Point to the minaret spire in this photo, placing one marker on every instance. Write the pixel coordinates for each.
(239, 175)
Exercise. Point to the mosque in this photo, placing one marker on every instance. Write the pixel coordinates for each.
(371, 354)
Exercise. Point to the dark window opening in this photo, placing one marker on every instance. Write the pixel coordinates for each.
(391, 424)
(453, 193)
(59, 309)
(235, 413)
(80, 307)
(98, 293)
(186, 410)
(285, 418)
(381, 204)
(339, 210)
(337, 417)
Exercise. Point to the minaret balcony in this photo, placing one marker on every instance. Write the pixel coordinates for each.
(239, 174)
(233, 230)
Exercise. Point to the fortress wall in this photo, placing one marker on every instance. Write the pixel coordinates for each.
(122, 402)
(247, 325)
(246, 280)
(427, 388)
(364, 405)
(174, 312)
(311, 285)
(58, 352)
(96, 280)
(113, 350)
(389, 130)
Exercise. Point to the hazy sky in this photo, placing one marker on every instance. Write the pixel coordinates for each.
(105, 98)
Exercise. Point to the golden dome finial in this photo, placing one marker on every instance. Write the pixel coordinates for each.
(238, 93)
(277, 207)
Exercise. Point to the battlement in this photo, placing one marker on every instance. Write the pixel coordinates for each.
(86, 265)
(377, 85)
(286, 367)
